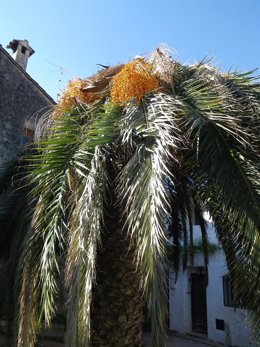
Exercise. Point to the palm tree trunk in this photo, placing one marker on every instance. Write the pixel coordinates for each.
(117, 311)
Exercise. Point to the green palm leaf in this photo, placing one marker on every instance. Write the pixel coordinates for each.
(224, 162)
(84, 238)
(151, 129)
(51, 175)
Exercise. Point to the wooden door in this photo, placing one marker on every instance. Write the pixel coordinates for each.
(199, 304)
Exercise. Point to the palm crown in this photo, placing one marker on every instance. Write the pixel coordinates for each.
(125, 158)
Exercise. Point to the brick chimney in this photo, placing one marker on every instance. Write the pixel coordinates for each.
(21, 51)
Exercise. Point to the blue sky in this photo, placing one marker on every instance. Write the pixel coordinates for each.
(71, 36)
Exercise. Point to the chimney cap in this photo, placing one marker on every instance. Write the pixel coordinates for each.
(14, 44)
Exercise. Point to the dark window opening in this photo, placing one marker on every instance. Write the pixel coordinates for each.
(220, 324)
(195, 217)
(23, 49)
(228, 294)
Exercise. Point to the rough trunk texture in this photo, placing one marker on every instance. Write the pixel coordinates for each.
(117, 313)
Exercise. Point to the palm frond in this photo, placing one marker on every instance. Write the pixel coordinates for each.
(50, 176)
(151, 127)
(186, 204)
(84, 237)
(222, 143)
(227, 160)
(223, 161)
(198, 210)
(48, 180)
(147, 229)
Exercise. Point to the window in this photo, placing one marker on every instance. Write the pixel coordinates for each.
(23, 49)
(27, 136)
(228, 294)
(220, 324)
(195, 217)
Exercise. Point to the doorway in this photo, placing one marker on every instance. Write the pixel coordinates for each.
(199, 304)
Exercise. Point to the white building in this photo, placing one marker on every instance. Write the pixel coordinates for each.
(208, 312)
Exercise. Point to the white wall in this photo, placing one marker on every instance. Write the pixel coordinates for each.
(237, 331)
(179, 303)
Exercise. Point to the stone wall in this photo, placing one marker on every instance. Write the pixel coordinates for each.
(22, 101)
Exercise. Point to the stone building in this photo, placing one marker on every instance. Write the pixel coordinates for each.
(22, 100)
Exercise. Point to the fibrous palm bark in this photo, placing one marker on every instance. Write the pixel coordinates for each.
(117, 315)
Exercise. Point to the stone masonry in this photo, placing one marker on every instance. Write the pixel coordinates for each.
(22, 101)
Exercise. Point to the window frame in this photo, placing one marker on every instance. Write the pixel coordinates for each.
(228, 296)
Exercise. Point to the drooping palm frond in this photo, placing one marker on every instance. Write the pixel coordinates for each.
(199, 212)
(187, 206)
(151, 128)
(224, 163)
(180, 226)
(222, 141)
(148, 233)
(52, 169)
(84, 238)
(48, 179)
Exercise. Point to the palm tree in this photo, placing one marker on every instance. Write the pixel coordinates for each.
(113, 175)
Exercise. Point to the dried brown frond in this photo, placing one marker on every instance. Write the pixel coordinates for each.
(163, 66)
